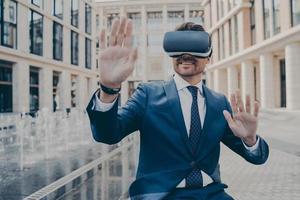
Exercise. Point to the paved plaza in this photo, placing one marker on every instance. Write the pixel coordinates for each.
(279, 178)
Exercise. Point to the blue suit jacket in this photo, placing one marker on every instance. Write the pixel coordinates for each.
(165, 156)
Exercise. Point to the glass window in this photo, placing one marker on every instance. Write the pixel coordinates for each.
(196, 16)
(276, 16)
(236, 33)
(57, 41)
(36, 33)
(88, 53)
(38, 3)
(110, 18)
(74, 48)
(175, 18)
(74, 12)
(57, 8)
(136, 19)
(88, 19)
(55, 79)
(73, 91)
(230, 37)
(295, 5)
(252, 23)
(5, 87)
(154, 43)
(266, 11)
(8, 20)
(34, 89)
(154, 20)
(223, 42)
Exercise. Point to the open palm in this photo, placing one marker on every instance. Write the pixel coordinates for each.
(118, 58)
(243, 123)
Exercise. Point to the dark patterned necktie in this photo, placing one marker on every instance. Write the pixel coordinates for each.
(194, 179)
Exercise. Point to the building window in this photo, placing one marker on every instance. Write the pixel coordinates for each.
(252, 23)
(55, 79)
(8, 26)
(36, 33)
(57, 41)
(74, 48)
(230, 37)
(136, 19)
(38, 3)
(57, 8)
(154, 20)
(236, 34)
(282, 83)
(74, 13)
(88, 19)
(97, 21)
(196, 16)
(34, 89)
(295, 9)
(110, 18)
(276, 16)
(88, 53)
(154, 43)
(73, 91)
(266, 11)
(175, 18)
(5, 87)
(223, 42)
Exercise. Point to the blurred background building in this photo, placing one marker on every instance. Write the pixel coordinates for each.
(256, 49)
(47, 54)
(151, 20)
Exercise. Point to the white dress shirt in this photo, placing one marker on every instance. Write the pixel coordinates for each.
(186, 102)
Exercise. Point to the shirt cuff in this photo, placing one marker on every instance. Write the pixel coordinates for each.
(98, 105)
(253, 148)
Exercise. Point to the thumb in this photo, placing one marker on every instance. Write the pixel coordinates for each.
(228, 117)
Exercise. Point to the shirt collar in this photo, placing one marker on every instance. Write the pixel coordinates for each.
(181, 83)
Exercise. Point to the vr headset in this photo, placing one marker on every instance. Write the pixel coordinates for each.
(195, 43)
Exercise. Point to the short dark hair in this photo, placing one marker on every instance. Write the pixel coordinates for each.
(188, 26)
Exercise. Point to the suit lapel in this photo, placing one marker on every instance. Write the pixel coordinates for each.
(174, 101)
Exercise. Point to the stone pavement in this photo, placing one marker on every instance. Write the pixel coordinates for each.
(279, 178)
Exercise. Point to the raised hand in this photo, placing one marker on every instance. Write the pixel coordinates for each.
(243, 123)
(118, 58)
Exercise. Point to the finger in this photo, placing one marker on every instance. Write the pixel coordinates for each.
(256, 108)
(233, 103)
(248, 104)
(228, 117)
(121, 31)
(128, 38)
(102, 41)
(240, 101)
(113, 34)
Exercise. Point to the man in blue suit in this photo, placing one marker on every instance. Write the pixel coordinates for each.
(181, 123)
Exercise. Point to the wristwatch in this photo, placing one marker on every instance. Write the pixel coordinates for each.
(108, 90)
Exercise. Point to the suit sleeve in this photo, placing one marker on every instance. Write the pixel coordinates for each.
(112, 126)
(235, 144)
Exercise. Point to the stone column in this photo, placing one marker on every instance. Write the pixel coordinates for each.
(220, 81)
(21, 87)
(267, 81)
(247, 80)
(46, 89)
(23, 24)
(232, 79)
(292, 52)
